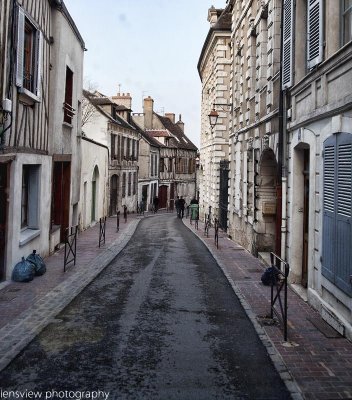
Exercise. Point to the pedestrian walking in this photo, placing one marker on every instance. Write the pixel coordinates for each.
(182, 206)
(177, 206)
(125, 212)
(156, 204)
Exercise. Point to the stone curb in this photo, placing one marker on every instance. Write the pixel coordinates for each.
(17, 334)
(273, 353)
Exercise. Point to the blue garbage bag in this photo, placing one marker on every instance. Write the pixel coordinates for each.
(23, 271)
(270, 276)
(39, 264)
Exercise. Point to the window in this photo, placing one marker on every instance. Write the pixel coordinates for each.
(69, 112)
(24, 198)
(123, 141)
(29, 55)
(129, 183)
(287, 53)
(119, 147)
(128, 151)
(161, 165)
(113, 147)
(170, 164)
(124, 184)
(346, 21)
(315, 33)
(30, 197)
(152, 164)
(337, 211)
(133, 150)
(135, 182)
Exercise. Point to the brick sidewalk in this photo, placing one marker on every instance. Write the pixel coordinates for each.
(26, 308)
(321, 367)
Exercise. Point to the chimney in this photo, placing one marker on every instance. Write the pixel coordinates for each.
(171, 117)
(148, 105)
(123, 99)
(181, 124)
(212, 15)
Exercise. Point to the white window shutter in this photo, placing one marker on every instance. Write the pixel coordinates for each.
(20, 46)
(315, 33)
(38, 63)
(287, 51)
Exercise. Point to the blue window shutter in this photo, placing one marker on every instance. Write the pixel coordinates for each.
(315, 33)
(329, 237)
(287, 51)
(20, 47)
(344, 212)
(337, 211)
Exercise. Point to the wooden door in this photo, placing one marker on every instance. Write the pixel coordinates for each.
(162, 196)
(60, 204)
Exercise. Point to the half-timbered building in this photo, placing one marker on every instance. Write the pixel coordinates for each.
(33, 71)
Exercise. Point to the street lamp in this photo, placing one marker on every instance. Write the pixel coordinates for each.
(214, 115)
(213, 118)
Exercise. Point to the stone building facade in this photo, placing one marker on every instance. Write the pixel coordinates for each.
(214, 68)
(254, 185)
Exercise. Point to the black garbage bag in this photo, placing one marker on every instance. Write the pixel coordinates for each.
(39, 264)
(269, 276)
(24, 271)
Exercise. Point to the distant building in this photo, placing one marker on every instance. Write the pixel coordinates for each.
(177, 162)
(214, 69)
(106, 126)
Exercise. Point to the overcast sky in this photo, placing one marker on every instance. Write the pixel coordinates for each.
(150, 48)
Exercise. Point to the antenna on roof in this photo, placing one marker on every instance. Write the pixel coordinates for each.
(119, 85)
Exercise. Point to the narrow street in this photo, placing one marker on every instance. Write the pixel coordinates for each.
(160, 322)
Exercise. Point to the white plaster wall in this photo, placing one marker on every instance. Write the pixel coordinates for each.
(40, 242)
(93, 155)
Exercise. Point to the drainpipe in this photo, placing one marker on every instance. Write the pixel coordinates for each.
(282, 148)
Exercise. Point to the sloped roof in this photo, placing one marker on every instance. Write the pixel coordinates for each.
(101, 101)
(182, 140)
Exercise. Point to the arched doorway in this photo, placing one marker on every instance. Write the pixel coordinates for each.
(95, 186)
(266, 203)
(114, 185)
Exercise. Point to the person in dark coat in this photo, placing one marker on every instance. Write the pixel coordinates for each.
(177, 206)
(156, 204)
(182, 206)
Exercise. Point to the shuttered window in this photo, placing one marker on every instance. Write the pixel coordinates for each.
(29, 55)
(315, 33)
(287, 50)
(337, 211)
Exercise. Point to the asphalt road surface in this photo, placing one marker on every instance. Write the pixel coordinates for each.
(160, 322)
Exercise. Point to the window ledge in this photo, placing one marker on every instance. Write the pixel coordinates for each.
(67, 124)
(27, 235)
(28, 97)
